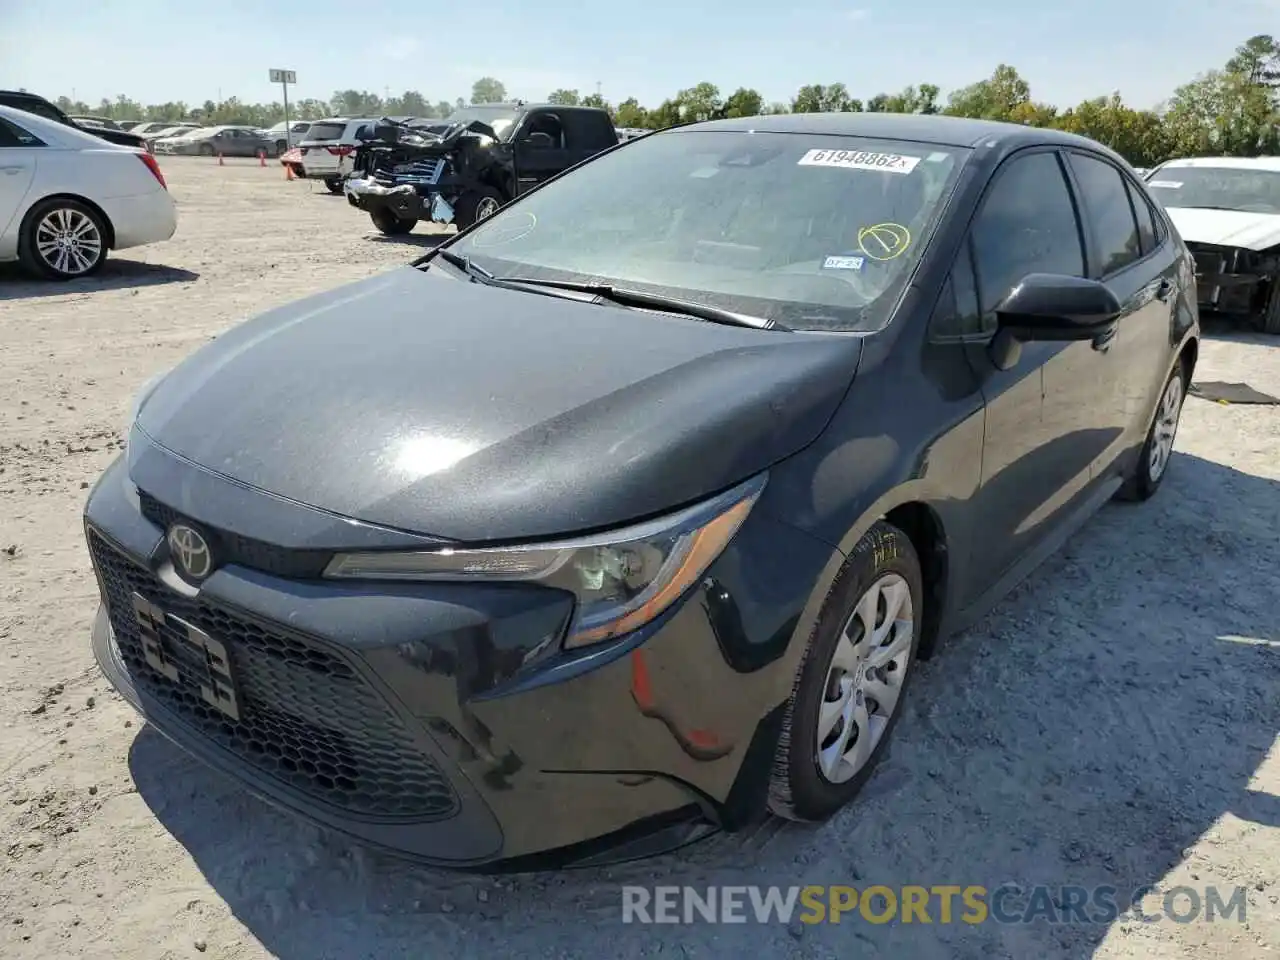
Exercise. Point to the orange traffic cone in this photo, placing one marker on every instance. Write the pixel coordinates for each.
(262, 158)
(220, 163)
(288, 171)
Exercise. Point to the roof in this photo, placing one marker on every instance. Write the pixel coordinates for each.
(55, 133)
(926, 128)
(1243, 163)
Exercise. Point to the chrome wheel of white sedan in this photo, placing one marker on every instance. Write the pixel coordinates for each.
(69, 242)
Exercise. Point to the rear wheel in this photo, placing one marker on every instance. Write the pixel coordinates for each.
(390, 224)
(334, 184)
(1153, 461)
(63, 240)
(847, 693)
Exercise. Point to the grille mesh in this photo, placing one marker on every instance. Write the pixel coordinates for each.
(305, 717)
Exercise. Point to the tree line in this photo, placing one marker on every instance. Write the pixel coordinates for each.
(1234, 110)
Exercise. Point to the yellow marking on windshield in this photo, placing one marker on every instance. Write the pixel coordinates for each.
(884, 241)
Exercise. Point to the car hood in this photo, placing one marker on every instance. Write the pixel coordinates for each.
(429, 403)
(1227, 228)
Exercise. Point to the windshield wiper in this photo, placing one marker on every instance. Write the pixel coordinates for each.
(463, 263)
(638, 298)
(1205, 206)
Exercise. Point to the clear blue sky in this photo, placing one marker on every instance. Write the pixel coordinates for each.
(156, 50)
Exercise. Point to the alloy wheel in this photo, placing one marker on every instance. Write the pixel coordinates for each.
(865, 677)
(68, 241)
(1165, 429)
(487, 207)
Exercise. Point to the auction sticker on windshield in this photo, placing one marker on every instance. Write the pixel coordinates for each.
(859, 160)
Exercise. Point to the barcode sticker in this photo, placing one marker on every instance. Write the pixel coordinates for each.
(859, 160)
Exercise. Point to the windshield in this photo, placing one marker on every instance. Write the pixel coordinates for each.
(500, 119)
(811, 232)
(1231, 188)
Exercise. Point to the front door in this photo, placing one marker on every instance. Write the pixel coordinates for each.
(541, 149)
(1044, 422)
(19, 151)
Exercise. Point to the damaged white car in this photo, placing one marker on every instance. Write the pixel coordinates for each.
(1228, 212)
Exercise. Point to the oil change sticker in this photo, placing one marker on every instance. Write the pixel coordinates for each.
(843, 262)
(1171, 184)
(859, 160)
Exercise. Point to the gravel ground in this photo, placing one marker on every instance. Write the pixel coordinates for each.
(1113, 722)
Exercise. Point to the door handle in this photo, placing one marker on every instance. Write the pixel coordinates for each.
(1164, 288)
(12, 170)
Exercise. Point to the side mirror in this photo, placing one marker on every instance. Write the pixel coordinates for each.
(1052, 307)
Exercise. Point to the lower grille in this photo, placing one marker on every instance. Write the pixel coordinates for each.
(304, 716)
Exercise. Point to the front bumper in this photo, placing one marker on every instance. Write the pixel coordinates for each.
(1231, 280)
(440, 723)
(406, 201)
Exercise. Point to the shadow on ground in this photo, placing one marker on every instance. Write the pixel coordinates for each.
(115, 274)
(1088, 732)
(428, 241)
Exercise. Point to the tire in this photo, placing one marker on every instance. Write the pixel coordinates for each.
(53, 223)
(390, 224)
(478, 204)
(281, 147)
(206, 150)
(1157, 450)
(1269, 321)
(334, 184)
(882, 568)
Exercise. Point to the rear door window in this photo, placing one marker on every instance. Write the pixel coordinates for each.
(1105, 199)
(1147, 235)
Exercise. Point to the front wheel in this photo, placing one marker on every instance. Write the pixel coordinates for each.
(206, 150)
(475, 205)
(63, 240)
(851, 681)
(390, 224)
(334, 184)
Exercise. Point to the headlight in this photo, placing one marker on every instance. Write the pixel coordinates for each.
(622, 579)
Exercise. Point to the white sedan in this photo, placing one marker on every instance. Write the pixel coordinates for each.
(67, 197)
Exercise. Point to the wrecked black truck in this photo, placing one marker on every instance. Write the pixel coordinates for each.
(463, 168)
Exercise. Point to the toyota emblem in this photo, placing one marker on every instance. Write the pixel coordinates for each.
(190, 551)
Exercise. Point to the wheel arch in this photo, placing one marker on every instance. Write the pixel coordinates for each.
(1188, 356)
(106, 220)
(913, 508)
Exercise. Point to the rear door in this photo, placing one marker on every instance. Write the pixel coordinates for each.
(19, 153)
(1142, 273)
(1043, 422)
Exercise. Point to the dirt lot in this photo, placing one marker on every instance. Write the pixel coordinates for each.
(1114, 722)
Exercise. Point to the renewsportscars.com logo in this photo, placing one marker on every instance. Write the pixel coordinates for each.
(941, 903)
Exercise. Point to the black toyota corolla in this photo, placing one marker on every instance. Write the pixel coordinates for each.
(626, 514)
